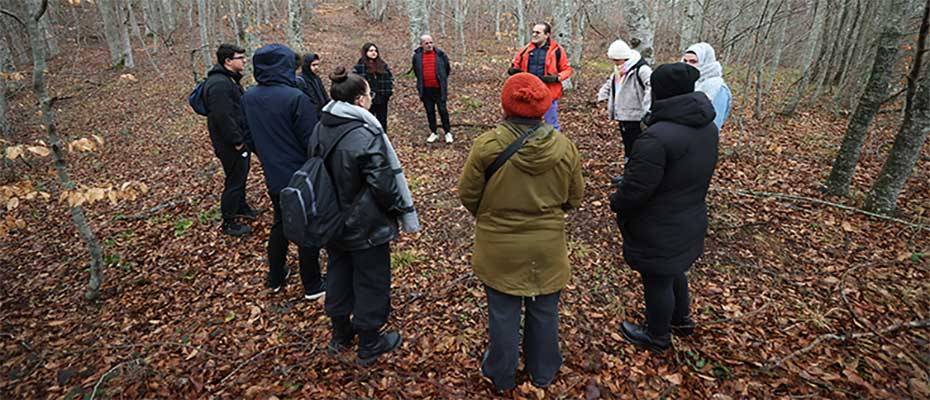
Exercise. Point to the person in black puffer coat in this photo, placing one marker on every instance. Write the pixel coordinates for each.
(359, 281)
(380, 80)
(661, 202)
(310, 83)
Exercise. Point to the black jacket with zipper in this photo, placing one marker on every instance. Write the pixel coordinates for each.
(224, 114)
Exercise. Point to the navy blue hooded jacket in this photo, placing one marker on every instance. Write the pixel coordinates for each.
(279, 116)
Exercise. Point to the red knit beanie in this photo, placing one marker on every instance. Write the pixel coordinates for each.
(525, 95)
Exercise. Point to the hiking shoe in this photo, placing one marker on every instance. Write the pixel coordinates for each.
(448, 137)
(316, 292)
(248, 213)
(276, 288)
(343, 336)
(638, 335)
(233, 228)
(432, 137)
(372, 345)
(685, 327)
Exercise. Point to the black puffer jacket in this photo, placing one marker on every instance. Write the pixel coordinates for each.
(224, 115)
(365, 184)
(660, 204)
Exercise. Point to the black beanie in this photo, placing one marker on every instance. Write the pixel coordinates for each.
(670, 80)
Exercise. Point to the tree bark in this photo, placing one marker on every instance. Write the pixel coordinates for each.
(778, 47)
(692, 25)
(204, 40)
(169, 20)
(111, 31)
(640, 27)
(520, 6)
(914, 74)
(61, 166)
(6, 56)
(295, 33)
(461, 11)
(564, 32)
(816, 28)
(415, 11)
(883, 198)
(875, 93)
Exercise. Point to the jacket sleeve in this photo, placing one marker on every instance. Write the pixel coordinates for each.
(643, 175)
(305, 120)
(604, 92)
(381, 178)
(576, 185)
(445, 60)
(224, 112)
(645, 73)
(517, 61)
(389, 78)
(471, 183)
(246, 132)
(565, 70)
(413, 66)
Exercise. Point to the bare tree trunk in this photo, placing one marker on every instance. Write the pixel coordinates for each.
(564, 31)
(827, 70)
(61, 166)
(204, 40)
(5, 129)
(249, 25)
(876, 91)
(778, 47)
(295, 33)
(6, 56)
(415, 11)
(442, 16)
(169, 20)
(235, 23)
(914, 74)
(575, 58)
(461, 11)
(843, 92)
(813, 44)
(111, 31)
(134, 24)
(51, 44)
(692, 24)
(640, 26)
(520, 5)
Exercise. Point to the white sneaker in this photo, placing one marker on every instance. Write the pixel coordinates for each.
(432, 137)
(448, 137)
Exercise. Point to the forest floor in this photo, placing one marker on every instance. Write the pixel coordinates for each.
(794, 298)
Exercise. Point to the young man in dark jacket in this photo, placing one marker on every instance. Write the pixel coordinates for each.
(281, 120)
(228, 135)
(431, 66)
(661, 202)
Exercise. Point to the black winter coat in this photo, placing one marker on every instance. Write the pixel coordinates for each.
(365, 184)
(312, 86)
(443, 70)
(224, 115)
(279, 116)
(381, 84)
(661, 203)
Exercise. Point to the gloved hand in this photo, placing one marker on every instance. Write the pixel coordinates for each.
(512, 70)
(550, 78)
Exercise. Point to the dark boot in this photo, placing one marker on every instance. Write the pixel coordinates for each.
(685, 327)
(640, 336)
(343, 335)
(372, 344)
(233, 228)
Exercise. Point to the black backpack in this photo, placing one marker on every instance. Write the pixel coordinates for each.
(310, 211)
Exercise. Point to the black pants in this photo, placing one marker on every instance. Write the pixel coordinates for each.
(629, 131)
(432, 98)
(380, 111)
(359, 284)
(540, 338)
(277, 254)
(667, 301)
(236, 170)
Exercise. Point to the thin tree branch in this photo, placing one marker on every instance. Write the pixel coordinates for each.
(41, 11)
(14, 16)
(110, 371)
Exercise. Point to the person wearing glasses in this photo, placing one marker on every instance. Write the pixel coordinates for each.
(222, 92)
(702, 56)
(281, 120)
(431, 66)
(547, 60)
(378, 74)
(627, 92)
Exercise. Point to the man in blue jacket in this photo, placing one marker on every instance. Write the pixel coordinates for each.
(281, 119)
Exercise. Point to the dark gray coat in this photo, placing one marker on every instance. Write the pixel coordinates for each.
(443, 70)
(660, 205)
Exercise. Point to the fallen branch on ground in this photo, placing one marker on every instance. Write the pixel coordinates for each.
(110, 371)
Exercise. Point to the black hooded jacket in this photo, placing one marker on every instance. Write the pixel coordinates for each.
(660, 205)
(312, 85)
(224, 116)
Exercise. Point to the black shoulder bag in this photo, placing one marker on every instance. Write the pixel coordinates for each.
(507, 153)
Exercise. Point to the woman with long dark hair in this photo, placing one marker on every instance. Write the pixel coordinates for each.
(380, 79)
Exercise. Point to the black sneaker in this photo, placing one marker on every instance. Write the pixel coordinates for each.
(316, 292)
(640, 336)
(248, 213)
(372, 345)
(275, 288)
(233, 228)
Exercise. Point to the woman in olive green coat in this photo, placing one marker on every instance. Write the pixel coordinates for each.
(520, 251)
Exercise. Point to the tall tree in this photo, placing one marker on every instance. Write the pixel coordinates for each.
(520, 6)
(460, 7)
(640, 27)
(204, 39)
(875, 93)
(813, 44)
(883, 197)
(122, 15)
(295, 33)
(564, 31)
(111, 31)
(416, 9)
(692, 25)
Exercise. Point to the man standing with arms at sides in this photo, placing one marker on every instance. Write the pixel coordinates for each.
(547, 60)
(431, 65)
(228, 135)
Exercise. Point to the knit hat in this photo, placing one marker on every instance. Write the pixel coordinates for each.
(619, 50)
(525, 95)
(671, 80)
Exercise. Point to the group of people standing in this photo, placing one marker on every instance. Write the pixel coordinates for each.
(519, 181)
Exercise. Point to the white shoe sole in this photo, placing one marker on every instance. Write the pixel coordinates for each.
(314, 296)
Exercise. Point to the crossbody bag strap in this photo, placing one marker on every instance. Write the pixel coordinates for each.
(507, 153)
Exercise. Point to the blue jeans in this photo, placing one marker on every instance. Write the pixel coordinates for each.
(552, 115)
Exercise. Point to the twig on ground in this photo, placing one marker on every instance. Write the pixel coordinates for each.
(110, 371)
(259, 354)
(783, 196)
(925, 323)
